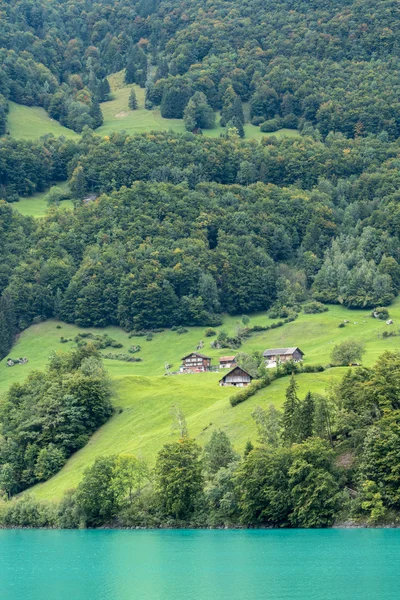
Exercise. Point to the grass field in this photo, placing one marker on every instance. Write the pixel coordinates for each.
(31, 122)
(36, 205)
(25, 122)
(145, 395)
(118, 117)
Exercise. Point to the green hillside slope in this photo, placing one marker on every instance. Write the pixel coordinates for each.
(143, 395)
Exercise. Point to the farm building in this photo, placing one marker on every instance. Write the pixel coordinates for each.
(195, 363)
(238, 377)
(280, 355)
(227, 362)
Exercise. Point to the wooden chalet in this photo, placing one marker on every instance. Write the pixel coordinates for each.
(227, 362)
(237, 377)
(280, 355)
(195, 363)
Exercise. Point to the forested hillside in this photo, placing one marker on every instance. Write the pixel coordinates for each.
(174, 230)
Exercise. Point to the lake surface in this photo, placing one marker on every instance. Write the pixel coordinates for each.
(331, 564)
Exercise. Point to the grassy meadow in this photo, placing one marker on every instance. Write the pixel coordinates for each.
(31, 122)
(27, 122)
(143, 395)
(36, 205)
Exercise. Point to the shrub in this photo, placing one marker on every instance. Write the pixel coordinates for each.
(134, 349)
(149, 337)
(271, 125)
(181, 330)
(312, 308)
(381, 313)
(257, 120)
(210, 332)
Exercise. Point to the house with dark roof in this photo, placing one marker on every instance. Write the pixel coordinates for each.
(237, 377)
(275, 356)
(195, 363)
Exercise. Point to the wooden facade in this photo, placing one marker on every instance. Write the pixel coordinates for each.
(280, 355)
(237, 377)
(195, 363)
(227, 362)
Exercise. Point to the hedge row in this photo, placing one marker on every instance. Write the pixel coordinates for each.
(284, 370)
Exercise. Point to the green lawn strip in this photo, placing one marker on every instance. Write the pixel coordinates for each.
(31, 122)
(36, 205)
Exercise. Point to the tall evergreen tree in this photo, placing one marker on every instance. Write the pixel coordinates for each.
(96, 114)
(306, 417)
(103, 90)
(7, 325)
(198, 113)
(290, 418)
(132, 102)
(130, 73)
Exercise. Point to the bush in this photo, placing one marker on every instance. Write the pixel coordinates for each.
(312, 308)
(380, 313)
(149, 337)
(134, 349)
(271, 125)
(210, 332)
(181, 330)
(257, 120)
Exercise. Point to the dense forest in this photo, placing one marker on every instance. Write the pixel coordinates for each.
(163, 244)
(320, 460)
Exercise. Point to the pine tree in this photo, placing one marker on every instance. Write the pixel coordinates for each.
(237, 109)
(8, 328)
(198, 113)
(96, 114)
(132, 103)
(306, 417)
(130, 73)
(78, 183)
(291, 413)
(104, 90)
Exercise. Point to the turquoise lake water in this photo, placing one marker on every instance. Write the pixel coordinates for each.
(331, 564)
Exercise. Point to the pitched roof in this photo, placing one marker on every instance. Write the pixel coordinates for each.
(195, 354)
(233, 370)
(281, 351)
(226, 358)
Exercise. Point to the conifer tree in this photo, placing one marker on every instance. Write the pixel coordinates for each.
(104, 90)
(96, 114)
(7, 325)
(130, 73)
(198, 113)
(291, 413)
(306, 417)
(132, 103)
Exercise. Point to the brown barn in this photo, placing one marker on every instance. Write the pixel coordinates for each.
(275, 355)
(238, 377)
(195, 363)
(227, 362)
